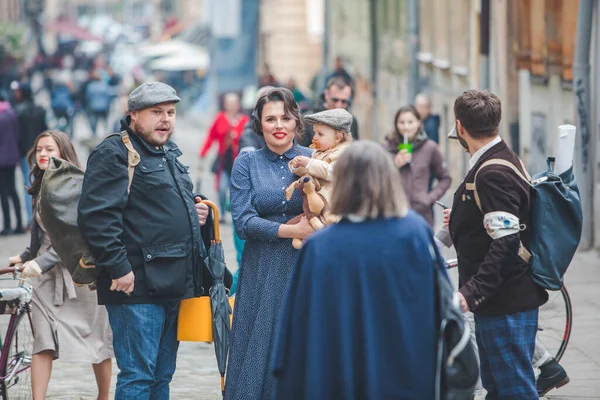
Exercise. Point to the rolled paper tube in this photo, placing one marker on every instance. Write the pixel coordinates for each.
(565, 148)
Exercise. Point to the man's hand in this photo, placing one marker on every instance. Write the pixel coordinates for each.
(446, 213)
(202, 210)
(124, 283)
(463, 303)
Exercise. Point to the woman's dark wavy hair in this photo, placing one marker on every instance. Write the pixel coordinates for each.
(67, 152)
(289, 106)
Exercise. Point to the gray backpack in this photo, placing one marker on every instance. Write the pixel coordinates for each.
(555, 207)
(57, 203)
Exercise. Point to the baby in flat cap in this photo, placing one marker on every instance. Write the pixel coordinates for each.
(332, 137)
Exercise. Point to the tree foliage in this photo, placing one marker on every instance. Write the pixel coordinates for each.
(11, 40)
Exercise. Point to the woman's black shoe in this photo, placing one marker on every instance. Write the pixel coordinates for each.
(18, 231)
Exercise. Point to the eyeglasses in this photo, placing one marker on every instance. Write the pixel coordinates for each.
(343, 101)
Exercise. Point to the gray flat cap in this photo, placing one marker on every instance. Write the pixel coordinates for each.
(338, 118)
(150, 94)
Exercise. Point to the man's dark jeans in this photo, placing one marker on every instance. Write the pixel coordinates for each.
(145, 344)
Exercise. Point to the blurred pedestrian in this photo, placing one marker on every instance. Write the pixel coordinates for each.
(359, 320)
(225, 130)
(99, 96)
(9, 159)
(121, 113)
(62, 103)
(32, 122)
(340, 72)
(266, 77)
(431, 122)
(260, 212)
(58, 304)
(419, 160)
(299, 97)
(338, 94)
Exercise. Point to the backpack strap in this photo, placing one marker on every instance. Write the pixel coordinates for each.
(496, 161)
(523, 252)
(133, 157)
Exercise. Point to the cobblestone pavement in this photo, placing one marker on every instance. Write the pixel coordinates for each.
(197, 377)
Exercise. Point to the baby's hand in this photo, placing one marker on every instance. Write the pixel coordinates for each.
(300, 161)
(294, 163)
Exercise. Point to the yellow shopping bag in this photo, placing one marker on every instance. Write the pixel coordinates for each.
(195, 320)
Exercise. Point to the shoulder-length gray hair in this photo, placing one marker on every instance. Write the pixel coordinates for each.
(367, 184)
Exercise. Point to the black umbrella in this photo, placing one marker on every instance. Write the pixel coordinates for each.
(219, 303)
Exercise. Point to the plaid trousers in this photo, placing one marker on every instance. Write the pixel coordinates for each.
(506, 344)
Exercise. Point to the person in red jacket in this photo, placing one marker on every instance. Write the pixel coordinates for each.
(226, 130)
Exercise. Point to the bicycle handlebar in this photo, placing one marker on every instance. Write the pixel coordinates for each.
(9, 270)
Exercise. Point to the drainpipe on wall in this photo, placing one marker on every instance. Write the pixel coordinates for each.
(484, 45)
(596, 141)
(324, 69)
(413, 40)
(374, 58)
(584, 145)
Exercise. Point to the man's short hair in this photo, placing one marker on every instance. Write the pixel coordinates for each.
(479, 112)
(338, 81)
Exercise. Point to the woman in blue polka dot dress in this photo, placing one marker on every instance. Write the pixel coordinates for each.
(260, 211)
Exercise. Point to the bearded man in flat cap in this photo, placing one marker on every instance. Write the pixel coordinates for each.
(145, 234)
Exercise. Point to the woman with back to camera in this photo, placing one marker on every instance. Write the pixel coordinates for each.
(260, 212)
(67, 321)
(359, 318)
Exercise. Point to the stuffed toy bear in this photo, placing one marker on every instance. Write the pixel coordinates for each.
(314, 205)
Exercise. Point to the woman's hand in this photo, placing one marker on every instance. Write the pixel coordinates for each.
(447, 212)
(14, 260)
(402, 158)
(303, 228)
(31, 269)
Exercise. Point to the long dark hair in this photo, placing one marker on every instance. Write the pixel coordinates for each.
(67, 152)
(406, 109)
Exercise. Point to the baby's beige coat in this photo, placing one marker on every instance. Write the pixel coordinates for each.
(321, 167)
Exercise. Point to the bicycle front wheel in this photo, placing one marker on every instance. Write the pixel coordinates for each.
(555, 322)
(18, 347)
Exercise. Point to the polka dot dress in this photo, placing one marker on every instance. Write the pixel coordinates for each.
(258, 207)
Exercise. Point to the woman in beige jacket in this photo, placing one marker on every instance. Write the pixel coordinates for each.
(67, 320)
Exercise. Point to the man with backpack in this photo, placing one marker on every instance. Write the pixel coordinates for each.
(145, 234)
(489, 226)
